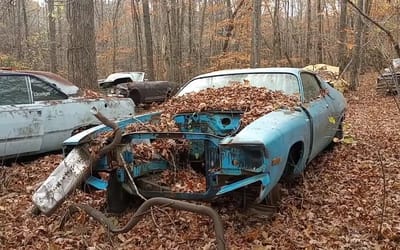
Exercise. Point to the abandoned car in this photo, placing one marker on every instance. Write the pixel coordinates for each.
(135, 86)
(239, 130)
(388, 82)
(39, 110)
(121, 77)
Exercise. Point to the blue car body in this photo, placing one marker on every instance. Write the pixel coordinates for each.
(277, 144)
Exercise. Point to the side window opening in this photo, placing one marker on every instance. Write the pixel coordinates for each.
(14, 90)
(311, 87)
(43, 91)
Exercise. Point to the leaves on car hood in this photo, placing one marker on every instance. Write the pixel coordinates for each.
(337, 203)
(253, 101)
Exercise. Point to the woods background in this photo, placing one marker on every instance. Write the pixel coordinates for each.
(85, 40)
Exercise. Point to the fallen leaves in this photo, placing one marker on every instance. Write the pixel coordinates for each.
(252, 101)
(336, 204)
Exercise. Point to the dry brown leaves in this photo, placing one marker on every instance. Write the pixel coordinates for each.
(88, 93)
(253, 101)
(183, 180)
(337, 204)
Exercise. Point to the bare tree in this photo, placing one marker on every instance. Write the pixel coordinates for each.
(149, 41)
(356, 57)
(342, 36)
(276, 36)
(18, 30)
(137, 35)
(174, 38)
(52, 36)
(115, 37)
(308, 33)
(320, 58)
(230, 26)
(200, 46)
(256, 34)
(81, 52)
(26, 29)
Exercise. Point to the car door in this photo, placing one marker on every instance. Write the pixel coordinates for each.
(21, 122)
(319, 112)
(58, 120)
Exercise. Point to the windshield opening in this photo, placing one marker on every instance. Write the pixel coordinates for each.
(285, 82)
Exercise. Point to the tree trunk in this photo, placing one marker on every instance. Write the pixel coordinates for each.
(138, 36)
(115, 37)
(200, 47)
(256, 35)
(276, 36)
(355, 69)
(308, 34)
(81, 53)
(230, 26)
(26, 29)
(19, 35)
(149, 41)
(320, 58)
(190, 31)
(174, 37)
(52, 36)
(61, 41)
(342, 45)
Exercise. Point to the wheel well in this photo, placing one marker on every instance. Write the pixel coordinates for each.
(294, 156)
(169, 93)
(135, 96)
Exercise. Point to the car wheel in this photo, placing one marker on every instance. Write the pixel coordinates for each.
(117, 197)
(339, 131)
(35, 211)
(295, 155)
(274, 196)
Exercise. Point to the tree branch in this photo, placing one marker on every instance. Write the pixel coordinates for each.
(388, 33)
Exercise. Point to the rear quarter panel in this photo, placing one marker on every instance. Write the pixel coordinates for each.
(63, 117)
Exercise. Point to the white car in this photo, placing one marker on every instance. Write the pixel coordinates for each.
(39, 110)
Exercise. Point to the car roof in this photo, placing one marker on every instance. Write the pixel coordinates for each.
(61, 83)
(253, 70)
(114, 76)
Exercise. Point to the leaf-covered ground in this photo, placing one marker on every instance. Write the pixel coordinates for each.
(349, 197)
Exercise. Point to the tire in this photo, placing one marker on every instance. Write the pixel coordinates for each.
(294, 157)
(35, 211)
(274, 196)
(339, 133)
(117, 197)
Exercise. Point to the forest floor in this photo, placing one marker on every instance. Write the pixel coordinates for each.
(348, 198)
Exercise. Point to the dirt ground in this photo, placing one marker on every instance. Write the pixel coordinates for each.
(348, 198)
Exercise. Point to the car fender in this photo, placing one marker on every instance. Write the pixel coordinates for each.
(83, 136)
(279, 131)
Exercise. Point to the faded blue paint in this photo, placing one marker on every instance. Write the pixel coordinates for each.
(263, 178)
(232, 159)
(269, 137)
(97, 182)
(218, 122)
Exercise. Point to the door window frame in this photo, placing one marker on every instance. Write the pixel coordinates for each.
(306, 99)
(27, 86)
(62, 94)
